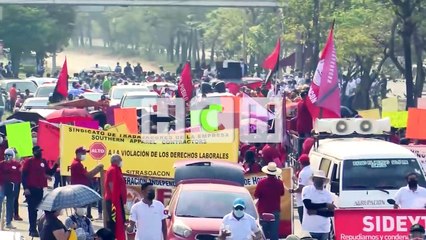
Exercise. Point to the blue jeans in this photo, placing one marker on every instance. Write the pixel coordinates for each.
(1, 199)
(10, 203)
(271, 229)
(320, 236)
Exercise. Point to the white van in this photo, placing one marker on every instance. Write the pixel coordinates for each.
(364, 172)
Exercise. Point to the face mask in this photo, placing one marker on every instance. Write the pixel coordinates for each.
(319, 183)
(8, 157)
(412, 183)
(34, 141)
(80, 211)
(120, 164)
(151, 195)
(239, 213)
(37, 154)
(1, 139)
(83, 157)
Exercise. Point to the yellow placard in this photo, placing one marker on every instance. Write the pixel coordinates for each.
(121, 128)
(390, 105)
(141, 158)
(398, 119)
(370, 114)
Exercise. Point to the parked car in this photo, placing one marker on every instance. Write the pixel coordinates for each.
(41, 81)
(21, 85)
(139, 100)
(117, 92)
(46, 89)
(204, 195)
(35, 103)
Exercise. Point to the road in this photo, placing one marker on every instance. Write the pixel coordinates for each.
(23, 226)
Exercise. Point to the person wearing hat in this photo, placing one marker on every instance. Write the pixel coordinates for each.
(79, 174)
(12, 180)
(417, 232)
(238, 224)
(304, 179)
(33, 182)
(269, 192)
(318, 207)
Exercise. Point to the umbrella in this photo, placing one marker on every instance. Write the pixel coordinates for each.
(68, 115)
(68, 197)
(9, 121)
(80, 103)
(26, 116)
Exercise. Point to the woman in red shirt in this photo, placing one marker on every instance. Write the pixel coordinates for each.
(12, 180)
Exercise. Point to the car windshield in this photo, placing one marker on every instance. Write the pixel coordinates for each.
(36, 103)
(44, 91)
(376, 174)
(118, 93)
(211, 204)
(136, 102)
(22, 86)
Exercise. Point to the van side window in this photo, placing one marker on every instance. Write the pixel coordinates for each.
(335, 173)
(325, 165)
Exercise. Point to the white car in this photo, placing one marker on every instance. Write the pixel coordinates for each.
(35, 103)
(139, 100)
(117, 92)
(160, 85)
(41, 81)
(46, 89)
(92, 96)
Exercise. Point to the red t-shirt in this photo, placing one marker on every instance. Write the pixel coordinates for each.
(13, 94)
(79, 173)
(304, 119)
(12, 171)
(109, 178)
(269, 154)
(35, 171)
(2, 169)
(269, 191)
(255, 168)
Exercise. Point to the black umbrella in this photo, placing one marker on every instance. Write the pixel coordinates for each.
(68, 197)
(26, 116)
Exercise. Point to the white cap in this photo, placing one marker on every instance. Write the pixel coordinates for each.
(10, 152)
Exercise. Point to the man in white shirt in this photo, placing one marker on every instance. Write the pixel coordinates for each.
(318, 207)
(239, 225)
(148, 216)
(304, 179)
(411, 196)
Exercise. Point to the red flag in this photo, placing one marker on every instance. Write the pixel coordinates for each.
(185, 83)
(48, 140)
(61, 87)
(273, 59)
(324, 93)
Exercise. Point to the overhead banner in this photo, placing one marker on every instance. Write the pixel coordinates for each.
(153, 156)
(164, 189)
(376, 223)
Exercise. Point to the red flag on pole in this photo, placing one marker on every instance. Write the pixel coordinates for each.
(324, 93)
(185, 83)
(119, 196)
(61, 87)
(272, 62)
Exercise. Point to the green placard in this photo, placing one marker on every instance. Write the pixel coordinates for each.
(19, 137)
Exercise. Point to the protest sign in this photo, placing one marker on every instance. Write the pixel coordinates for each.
(420, 151)
(370, 114)
(48, 140)
(376, 223)
(397, 119)
(87, 124)
(121, 128)
(415, 124)
(127, 116)
(390, 105)
(19, 136)
(141, 156)
(164, 189)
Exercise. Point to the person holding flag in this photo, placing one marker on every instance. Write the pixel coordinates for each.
(61, 89)
(185, 84)
(115, 196)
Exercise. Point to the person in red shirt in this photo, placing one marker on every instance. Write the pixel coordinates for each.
(34, 178)
(269, 192)
(250, 164)
(17, 161)
(270, 153)
(12, 179)
(307, 145)
(155, 89)
(303, 118)
(79, 174)
(115, 196)
(13, 94)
